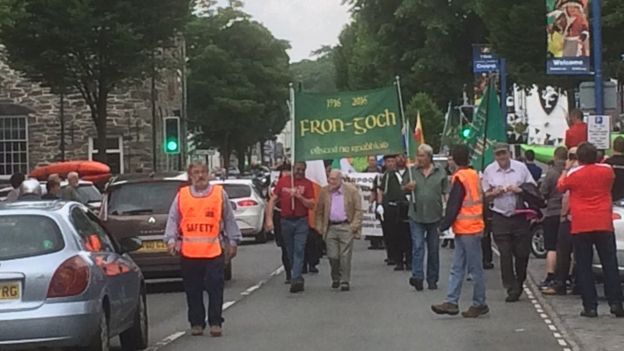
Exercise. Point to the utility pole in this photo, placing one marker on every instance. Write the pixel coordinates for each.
(597, 48)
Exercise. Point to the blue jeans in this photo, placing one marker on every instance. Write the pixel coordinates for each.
(295, 234)
(467, 257)
(425, 233)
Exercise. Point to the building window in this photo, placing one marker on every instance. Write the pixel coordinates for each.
(13, 145)
(114, 151)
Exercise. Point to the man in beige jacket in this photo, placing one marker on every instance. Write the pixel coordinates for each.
(339, 220)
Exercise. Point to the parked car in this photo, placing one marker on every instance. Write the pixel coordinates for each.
(138, 205)
(65, 282)
(618, 223)
(86, 190)
(249, 207)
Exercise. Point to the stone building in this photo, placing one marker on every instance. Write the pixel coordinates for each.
(30, 124)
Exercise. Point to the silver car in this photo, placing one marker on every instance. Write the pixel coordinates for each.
(65, 282)
(248, 205)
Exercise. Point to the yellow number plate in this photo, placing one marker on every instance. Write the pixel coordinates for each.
(153, 246)
(10, 291)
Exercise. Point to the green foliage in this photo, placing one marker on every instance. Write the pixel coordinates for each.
(431, 117)
(316, 75)
(238, 81)
(92, 46)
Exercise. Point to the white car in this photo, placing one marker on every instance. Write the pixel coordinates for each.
(249, 207)
(618, 223)
(86, 190)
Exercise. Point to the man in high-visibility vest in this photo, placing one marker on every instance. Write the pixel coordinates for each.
(200, 217)
(464, 212)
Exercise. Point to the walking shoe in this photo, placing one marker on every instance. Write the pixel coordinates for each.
(416, 283)
(476, 311)
(488, 265)
(546, 283)
(432, 286)
(445, 243)
(390, 262)
(335, 285)
(399, 267)
(344, 287)
(296, 287)
(589, 313)
(313, 269)
(512, 298)
(216, 331)
(617, 310)
(446, 308)
(197, 330)
(554, 290)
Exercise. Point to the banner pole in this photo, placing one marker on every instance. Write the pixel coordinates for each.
(406, 126)
(292, 145)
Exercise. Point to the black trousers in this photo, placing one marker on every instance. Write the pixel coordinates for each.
(313, 249)
(584, 249)
(201, 275)
(486, 242)
(513, 238)
(399, 239)
(564, 254)
(279, 240)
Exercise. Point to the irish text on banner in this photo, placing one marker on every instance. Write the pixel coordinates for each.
(568, 37)
(348, 124)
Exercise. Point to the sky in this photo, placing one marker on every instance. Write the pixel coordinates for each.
(306, 24)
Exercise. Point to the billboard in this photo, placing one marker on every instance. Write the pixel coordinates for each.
(568, 37)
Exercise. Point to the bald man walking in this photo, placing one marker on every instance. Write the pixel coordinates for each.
(339, 221)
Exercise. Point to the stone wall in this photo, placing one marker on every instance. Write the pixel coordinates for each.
(129, 110)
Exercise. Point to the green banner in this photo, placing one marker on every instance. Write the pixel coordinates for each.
(347, 124)
(489, 128)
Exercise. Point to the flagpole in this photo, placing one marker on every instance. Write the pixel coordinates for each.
(292, 145)
(405, 136)
(485, 123)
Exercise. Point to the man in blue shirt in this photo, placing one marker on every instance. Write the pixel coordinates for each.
(536, 171)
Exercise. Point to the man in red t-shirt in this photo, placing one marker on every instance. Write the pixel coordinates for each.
(296, 198)
(577, 133)
(592, 225)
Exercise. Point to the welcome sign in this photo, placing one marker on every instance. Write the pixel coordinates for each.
(347, 124)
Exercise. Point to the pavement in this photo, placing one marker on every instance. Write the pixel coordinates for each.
(603, 334)
(380, 312)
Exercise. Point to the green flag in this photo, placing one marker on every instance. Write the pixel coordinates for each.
(347, 124)
(488, 129)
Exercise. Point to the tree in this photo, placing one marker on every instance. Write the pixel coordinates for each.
(316, 75)
(238, 81)
(92, 46)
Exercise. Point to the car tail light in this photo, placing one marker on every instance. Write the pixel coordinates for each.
(70, 279)
(247, 203)
(616, 216)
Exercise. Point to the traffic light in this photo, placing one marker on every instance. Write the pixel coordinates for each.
(467, 133)
(172, 135)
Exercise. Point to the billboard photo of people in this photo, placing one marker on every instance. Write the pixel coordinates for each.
(568, 37)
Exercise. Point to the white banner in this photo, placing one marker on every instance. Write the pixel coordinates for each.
(371, 227)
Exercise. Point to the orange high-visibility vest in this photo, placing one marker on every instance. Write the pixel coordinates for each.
(469, 221)
(200, 223)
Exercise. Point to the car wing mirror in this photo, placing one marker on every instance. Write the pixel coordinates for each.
(131, 244)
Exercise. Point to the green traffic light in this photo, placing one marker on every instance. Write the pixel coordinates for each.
(466, 133)
(172, 145)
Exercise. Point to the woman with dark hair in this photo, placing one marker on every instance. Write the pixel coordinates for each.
(590, 193)
(16, 181)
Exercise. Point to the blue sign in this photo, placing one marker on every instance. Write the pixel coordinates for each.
(484, 60)
(569, 65)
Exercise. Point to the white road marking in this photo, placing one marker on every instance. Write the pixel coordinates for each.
(173, 337)
(540, 310)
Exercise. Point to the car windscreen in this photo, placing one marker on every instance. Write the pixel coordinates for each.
(142, 198)
(89, 193)
(27, 236)
(237, 191)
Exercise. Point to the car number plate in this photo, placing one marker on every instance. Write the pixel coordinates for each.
(153, 246)
(10, 291)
